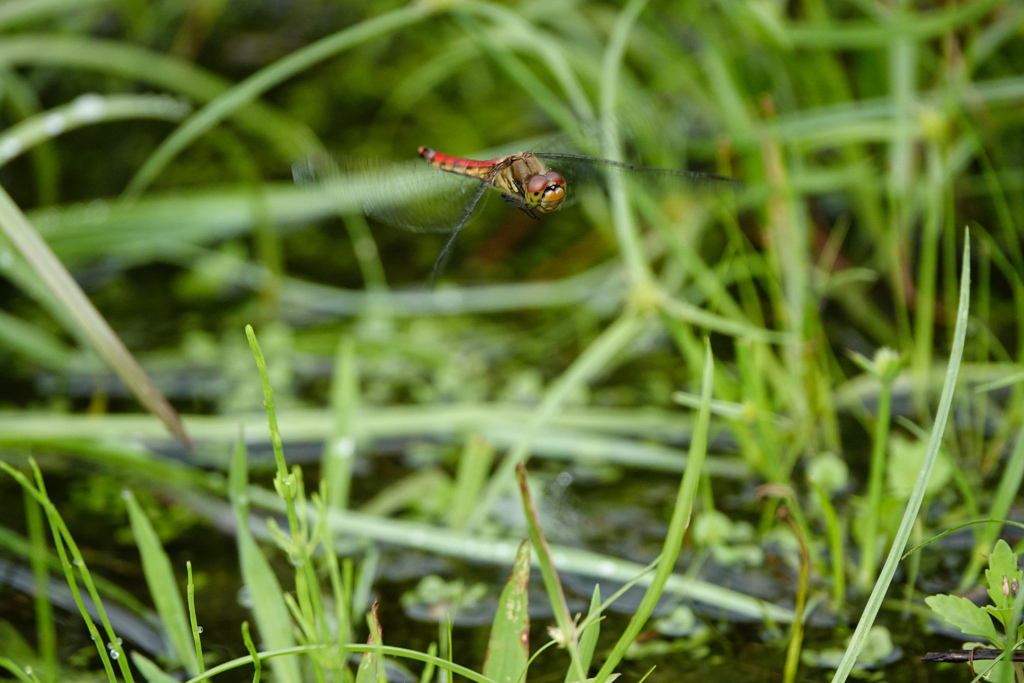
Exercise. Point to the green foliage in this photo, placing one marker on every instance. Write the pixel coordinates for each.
(163, 587)
(1004, 581)
(508, 650)
(147, 152)
(965, 615)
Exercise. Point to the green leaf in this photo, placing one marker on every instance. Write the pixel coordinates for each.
(150, 671)
(162, 586)
(1002, 575)
(508, 650)
(589, 634)
(371, 666)
(963, 614)
(268, 605)
(90, 324)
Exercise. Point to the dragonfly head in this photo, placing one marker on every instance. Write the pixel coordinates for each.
(545, 192)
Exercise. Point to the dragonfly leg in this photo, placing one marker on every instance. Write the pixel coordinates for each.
(446, 253)
(512, 200)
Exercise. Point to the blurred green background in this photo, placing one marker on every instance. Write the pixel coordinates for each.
(151, 144)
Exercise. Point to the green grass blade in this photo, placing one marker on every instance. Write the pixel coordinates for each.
(624, 222)
(1002, 502)
(77, 305)
(552, 584)
(470, 477)
(162, 586)
(371, 667)
(508, 649)
(169, 225)
(590, 633)
(340, 448)
(46, 626)
(595, 359)
(150, 671)
(34, 343)
(869, 34)
(193, 620)
(131, 62)
(107, 644)
(422, 536)
(268, 604)
(677, 526)
(18, 671)
(16, 12)
(917, 495)
(251, 88)
(86, 110)
(22, 103)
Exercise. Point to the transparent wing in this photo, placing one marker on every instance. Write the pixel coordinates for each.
(568, 153)
(584, 173)
(410, 195)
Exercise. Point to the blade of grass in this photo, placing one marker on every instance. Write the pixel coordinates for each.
(470, 477)
(77, 306)
(886, 366)
(552, 584)
(511, 34)
(65, 544)
(46, 630)
(371, 667)
(869, 34)
(251, 88)
(1002, 501)
(340, 447)
(680, 521)
(268, 605)
(33, 343)
(589, 633)
(925, 300)
(471, 546)
(16, 12)
(86, 110)
(593, 360)
(257, 663)
(297, 543)
(131, 62)
(697, 316)
(835, 544)
(23, 102)
(796, 636)
(867, 619)
(150, 670)
(18, 671)
(193, 620)
(625, 224)
(508, 648)
(341, 587)
(162, 585)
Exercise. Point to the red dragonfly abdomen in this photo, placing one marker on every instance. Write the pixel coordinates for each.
(470, 167)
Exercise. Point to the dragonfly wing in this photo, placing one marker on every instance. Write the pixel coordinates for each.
(478, 195)
(412, 196)
(582, 172)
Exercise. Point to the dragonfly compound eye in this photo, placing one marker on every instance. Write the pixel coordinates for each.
(553, 194)
(536, 184)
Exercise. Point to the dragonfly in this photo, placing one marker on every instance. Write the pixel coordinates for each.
(536, 183)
